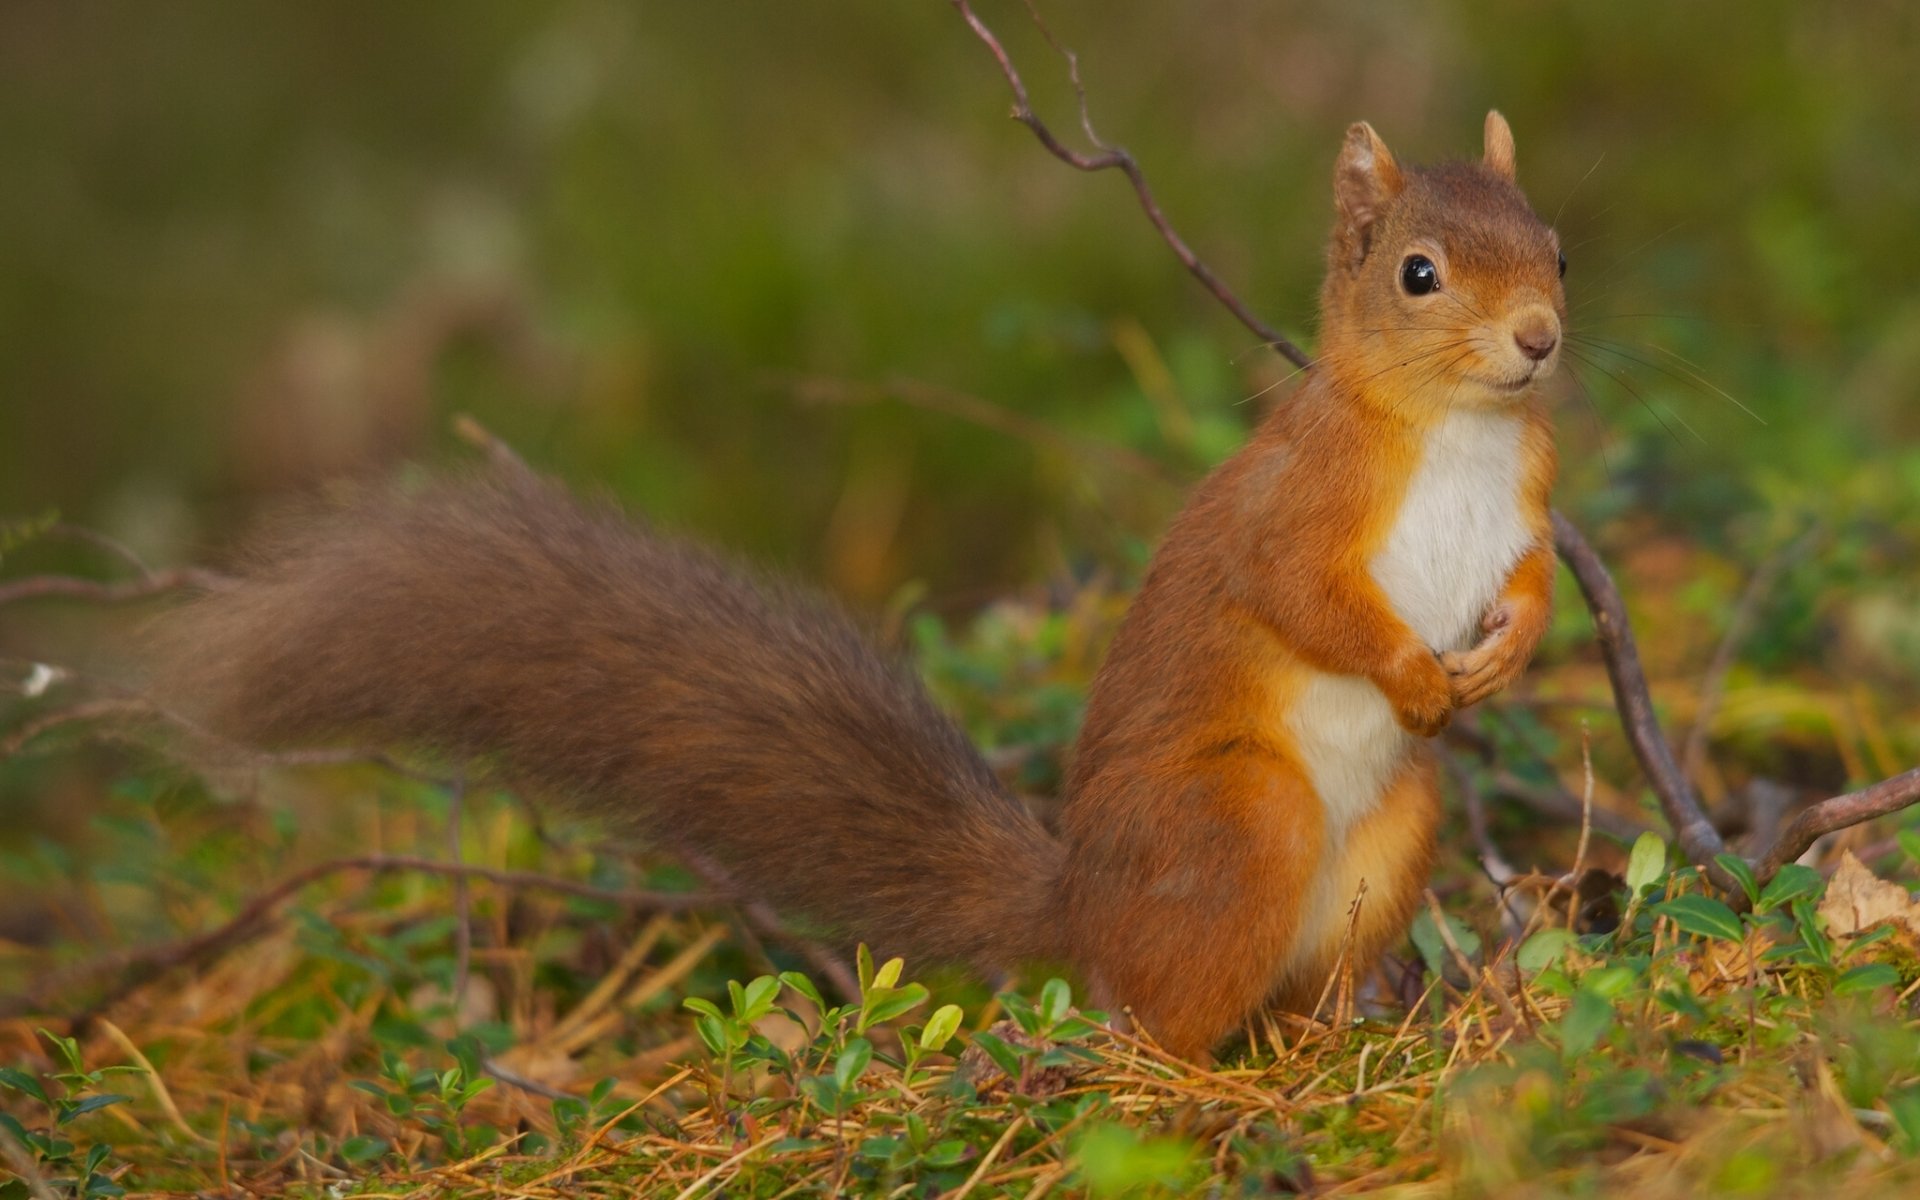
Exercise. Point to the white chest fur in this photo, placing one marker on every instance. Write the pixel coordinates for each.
(1457, 535)
(1459, 531)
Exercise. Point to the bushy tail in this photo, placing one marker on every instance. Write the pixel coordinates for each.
(640, 679)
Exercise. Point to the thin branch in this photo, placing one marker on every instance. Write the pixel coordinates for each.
(214, 750)
(69, 587)
(140, 966)
(469, 430)
(762, 918)
(1492, 862)
(462, 895)
(1840, 812)
(1698, 838)
(100, 541)
(1118, 159)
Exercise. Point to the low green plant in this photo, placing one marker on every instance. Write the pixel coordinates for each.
(61, 1097)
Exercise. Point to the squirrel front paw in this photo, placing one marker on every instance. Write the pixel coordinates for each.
(1499, 658)
(1420, 691)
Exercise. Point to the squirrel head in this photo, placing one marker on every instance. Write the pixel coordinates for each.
(1443, 286)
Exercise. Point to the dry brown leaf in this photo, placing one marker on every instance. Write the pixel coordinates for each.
(1857, 900)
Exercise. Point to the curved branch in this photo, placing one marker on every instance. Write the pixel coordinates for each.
(1118, 159)
(1828, 816)
(1697, 836)
(36, 587)
(141, 966)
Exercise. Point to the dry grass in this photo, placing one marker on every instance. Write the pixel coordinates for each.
(1661, 1063)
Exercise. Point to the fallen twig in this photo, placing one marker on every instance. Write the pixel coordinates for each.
(141, 966)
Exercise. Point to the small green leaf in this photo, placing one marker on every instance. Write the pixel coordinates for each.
(713, 1031)
(852, 1062)
(1056, 1000)
(941, 1027)
(363, 1148)
(69, 1049)
(1647, 863)
(880, 1148)
(1609, 982)
(702, 1006)
(760, 995)
(950, 1152)
(1587, 1020)
(1702, 915)
(1866, 978)
(1543, 949)
(1905, 1106)
(1433, 947)
(863, 967)
(1003, 1055)
(889, 1003)
(18, 1080)
(889, 973)
(1742, 874)
(1792, 882)
(92, 1104)
(800, 983)
(1115, 1160)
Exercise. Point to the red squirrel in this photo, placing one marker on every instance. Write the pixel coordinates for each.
(1256, 744)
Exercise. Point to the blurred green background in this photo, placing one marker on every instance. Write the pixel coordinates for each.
(699, 254)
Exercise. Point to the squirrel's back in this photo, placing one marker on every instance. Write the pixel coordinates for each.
(643, 680)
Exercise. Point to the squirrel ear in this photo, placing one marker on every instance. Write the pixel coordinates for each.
(1364, 179)
(1499, 139)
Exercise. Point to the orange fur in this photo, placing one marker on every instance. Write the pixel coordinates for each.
(1206, 873)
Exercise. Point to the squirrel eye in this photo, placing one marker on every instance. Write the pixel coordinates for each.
(1418, 275)
(1563, 264)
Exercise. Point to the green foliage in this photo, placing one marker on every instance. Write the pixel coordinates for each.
(432, 1099)
(53, 1101)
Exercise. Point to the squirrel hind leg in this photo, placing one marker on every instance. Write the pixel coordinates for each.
(1390, 852)
(1187, 928)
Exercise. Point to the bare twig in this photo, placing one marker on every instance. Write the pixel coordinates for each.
(140, 966)
(1117, 158)
(1586, 802)
(462, 895)
(498, 452)
(1497, 868)
(213, 749)
(1562, 805)
(1887, 796)
(1460, 960)
(1698, 838)
(69, 587)
(762, 917)
(100, 541)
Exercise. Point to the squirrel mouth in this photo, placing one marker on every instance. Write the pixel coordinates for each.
(1513, 386)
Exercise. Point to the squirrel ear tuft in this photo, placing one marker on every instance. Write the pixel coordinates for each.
(1499, 140)
(1365, 179)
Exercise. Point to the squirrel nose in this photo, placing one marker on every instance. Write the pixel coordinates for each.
(1536, 341)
